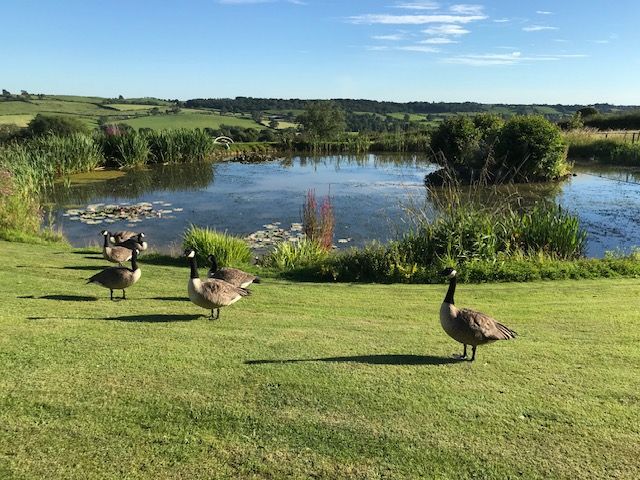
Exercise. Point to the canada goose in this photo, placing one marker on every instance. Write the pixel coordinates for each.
(122, 236)
(118, 278)
(114, 254)
(211, 293)
(133, 242)
(235, 277)
(468, 326)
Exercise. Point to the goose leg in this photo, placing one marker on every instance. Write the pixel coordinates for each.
(464, 353)
(217, 313)
(473, 354)
(111, 294)
(124, 296)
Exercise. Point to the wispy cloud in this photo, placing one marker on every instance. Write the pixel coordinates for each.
(454, 30)
(418, 48)
(413, 19)
(391, 37)
(501, 20)
(538, 28)
(467, 9)
(513, 58)
(438, 41)
(543, 12)
(426, 5)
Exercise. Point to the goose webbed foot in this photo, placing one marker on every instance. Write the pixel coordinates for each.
(217, 315)
(464, 354)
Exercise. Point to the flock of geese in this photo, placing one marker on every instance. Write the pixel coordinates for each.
(225, 286)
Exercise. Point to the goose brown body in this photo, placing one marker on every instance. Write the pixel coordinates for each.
(116, 254)
(118, 278)
(211, 293)
(467, 326)
(234, 276)
(119, 237)
(133, 242)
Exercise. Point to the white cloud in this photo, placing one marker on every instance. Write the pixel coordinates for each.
(418, 48)
(446, 29)
(413, 19)
(501, 20)
(538, 28)
(425, 5)
(392, 37)
(513, 58)
(438, 41)
(466, 9)
(543, 12)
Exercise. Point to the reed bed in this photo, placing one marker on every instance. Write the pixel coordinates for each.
(229, 250)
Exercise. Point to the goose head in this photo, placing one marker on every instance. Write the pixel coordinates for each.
(190, 253)
(104, 233)
(449, 272)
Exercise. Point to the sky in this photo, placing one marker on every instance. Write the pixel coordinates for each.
(495, 51)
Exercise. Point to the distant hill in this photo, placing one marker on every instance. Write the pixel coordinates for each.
(257, 113)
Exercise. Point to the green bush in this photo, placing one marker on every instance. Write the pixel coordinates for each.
(531, 148)
(294, 255)
(457, 139)
(228, 249)
(55, 124)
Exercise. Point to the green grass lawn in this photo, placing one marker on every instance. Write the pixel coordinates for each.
(309, 380)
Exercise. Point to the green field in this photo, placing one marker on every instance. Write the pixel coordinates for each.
(90, 109)
(309, 380)
(191, 120)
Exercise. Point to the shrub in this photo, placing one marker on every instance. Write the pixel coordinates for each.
(531, 148)
(457, 139)
(124, 149)
(55, 124)
(294, 255)
(228, 249)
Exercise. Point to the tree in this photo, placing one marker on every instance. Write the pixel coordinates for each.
(532, 148)
(587, 111)
(323, 120)
(6, 93)
(58, 125)
(274, 124)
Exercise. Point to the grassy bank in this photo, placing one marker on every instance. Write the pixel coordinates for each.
(612, 149)
(308, 380)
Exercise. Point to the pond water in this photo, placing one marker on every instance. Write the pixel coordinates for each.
(369, 194)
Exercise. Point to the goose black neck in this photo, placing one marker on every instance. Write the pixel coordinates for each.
(194, 267)
(106, 240)
(214, 264)
(134, 260)
(451, 291)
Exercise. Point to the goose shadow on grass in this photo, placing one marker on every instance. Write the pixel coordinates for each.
(154, 318)
(63, 298)
(394, 359)
(171, 299)
(83, 267)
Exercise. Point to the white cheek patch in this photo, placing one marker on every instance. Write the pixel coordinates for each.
(191, 254)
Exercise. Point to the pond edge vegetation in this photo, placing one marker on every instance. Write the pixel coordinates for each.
(486, 245)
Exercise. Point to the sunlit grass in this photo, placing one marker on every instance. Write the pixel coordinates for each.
(309, 380)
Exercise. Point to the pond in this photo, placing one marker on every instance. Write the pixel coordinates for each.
(369, 194)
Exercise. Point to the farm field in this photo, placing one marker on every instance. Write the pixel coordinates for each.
(90, 109)
(305, 380)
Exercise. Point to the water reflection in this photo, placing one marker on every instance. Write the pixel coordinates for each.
(370, 195)
(134, 184)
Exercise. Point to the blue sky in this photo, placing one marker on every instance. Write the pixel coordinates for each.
(498, 51)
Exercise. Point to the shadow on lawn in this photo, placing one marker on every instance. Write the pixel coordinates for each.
(157, 318)
(171, 299)
(83, 267)
(370, 359)
(64, 298)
